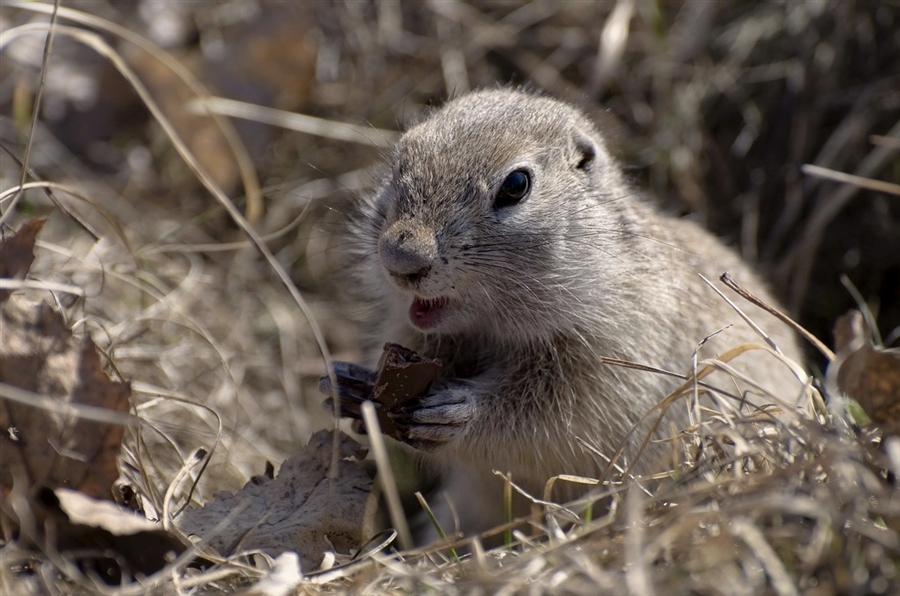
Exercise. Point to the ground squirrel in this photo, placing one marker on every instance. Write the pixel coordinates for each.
(506, 242)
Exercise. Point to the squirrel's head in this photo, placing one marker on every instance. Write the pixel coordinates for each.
(489, 203)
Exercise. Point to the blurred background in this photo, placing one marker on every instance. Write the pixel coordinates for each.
(713, 107)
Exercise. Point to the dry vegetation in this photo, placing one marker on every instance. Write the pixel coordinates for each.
(716, 107)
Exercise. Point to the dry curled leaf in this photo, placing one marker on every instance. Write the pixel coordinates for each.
(110, 540)
(869, 374)
(17, 252)
(50, 443)
(305, 508)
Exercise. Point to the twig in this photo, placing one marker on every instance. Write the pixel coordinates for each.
(386, 475)
(743, 293)
(860, 181)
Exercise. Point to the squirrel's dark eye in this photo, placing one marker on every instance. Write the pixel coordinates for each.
(513, 189)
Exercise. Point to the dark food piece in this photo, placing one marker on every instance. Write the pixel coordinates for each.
(402, 376)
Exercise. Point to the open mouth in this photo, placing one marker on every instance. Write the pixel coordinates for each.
(425, 313)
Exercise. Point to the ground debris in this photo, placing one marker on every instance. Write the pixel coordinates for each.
(868, 373)
(306, 508)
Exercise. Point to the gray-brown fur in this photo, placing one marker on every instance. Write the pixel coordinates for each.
(581, 268)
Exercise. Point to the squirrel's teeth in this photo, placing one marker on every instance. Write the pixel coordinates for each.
(427, 312)
(436, 302)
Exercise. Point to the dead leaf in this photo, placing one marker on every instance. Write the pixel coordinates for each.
(17, 252)
(55, 446)
(303, 509)
(869, 374)
(104, 537)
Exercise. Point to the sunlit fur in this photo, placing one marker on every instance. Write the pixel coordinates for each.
(582, 267)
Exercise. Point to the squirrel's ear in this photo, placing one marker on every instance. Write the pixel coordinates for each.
(583, 151)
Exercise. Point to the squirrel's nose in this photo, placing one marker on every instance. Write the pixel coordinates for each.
(407, 250)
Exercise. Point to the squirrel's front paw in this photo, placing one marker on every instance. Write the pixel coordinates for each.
(354, 386)
(435, 419)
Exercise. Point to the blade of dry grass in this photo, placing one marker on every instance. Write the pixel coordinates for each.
(35, 110)
(341, 131)
(860, 181)
(386, 474)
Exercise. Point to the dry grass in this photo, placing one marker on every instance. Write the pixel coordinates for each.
(717, 105)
